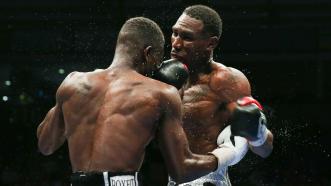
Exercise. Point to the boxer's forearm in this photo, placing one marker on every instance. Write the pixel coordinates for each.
(196, 166)
(50, 132)
(265, 149)
(182, 164)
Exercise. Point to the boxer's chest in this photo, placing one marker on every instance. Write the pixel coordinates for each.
(201, 106)
(201, 118)
(199, 101)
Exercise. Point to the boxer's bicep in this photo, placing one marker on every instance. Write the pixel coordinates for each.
(51, 130)
(54, 116)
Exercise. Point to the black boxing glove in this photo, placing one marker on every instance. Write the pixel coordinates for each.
(248, 121)
(172, 72)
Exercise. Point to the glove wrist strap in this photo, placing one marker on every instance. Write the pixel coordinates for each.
(263, 135)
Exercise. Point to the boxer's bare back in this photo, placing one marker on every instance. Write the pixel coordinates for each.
(109, 117)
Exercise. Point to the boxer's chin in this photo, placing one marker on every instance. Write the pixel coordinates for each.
(179, 58)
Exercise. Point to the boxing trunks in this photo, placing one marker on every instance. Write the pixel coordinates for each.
(104, 179)
(220, 178)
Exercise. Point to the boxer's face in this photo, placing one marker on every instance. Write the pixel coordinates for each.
(189, 43)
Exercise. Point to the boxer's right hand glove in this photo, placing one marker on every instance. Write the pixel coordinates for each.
(225, 154)
(239, 143)
(248, 121)
(231, 149)
(172, 72)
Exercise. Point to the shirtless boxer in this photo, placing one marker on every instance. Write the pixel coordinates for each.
(215, 95)
(109, 116)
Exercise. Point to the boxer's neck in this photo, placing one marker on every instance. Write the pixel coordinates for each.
(199, 70)
(126, 58)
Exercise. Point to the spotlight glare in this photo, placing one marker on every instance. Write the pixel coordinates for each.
(61, 71)
(5, 98)
(8, 83)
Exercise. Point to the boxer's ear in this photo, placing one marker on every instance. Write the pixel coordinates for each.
(212, 43)
(149, 58)
(147, 52)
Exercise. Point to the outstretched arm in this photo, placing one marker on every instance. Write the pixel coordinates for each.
(182, 164)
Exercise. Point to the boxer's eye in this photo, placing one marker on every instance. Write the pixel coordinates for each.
(187, 37)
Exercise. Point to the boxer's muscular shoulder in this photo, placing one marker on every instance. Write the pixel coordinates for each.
(68, 85)
(170, 93)
(229, 82)
(72, 78)
(165, 90)
(170, 99)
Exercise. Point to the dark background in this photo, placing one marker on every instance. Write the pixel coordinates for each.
(283, 47)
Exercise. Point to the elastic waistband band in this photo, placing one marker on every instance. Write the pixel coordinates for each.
(104, 179)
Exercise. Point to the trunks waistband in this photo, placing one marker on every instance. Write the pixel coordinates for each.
(104, 179)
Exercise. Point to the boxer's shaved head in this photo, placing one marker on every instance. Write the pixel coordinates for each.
(141, 32)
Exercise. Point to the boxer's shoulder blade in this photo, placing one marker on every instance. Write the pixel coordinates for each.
(134, 95)
(128, 108)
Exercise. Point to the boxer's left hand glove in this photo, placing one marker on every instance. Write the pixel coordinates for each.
(248, 121)
(172, 72)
